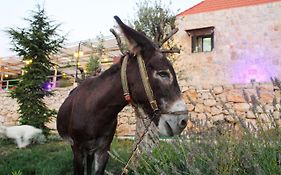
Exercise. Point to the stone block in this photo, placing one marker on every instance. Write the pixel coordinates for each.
(218, 90)
(241, 107)
(221, 98)
(124, 130)
(206, 95)
(207, 109)
(230, 119)
(266, 86)
(218, 117)
(131, 120)
(206, 86)
(215, 110)
(250, 92)
(268, 108)
(201, 101)
(199, 108)
(210, 102)
(250, 115)
(266, 97)
(201, 116)
(191, 94)
(264, 118)
(235, 96)
(276, 115)
(190, 107)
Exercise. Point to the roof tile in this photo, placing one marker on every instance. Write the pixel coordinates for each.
(213, 5)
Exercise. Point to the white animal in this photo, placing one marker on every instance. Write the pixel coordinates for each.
(23, 134)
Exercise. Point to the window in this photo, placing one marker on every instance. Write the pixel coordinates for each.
(202, 43)
(202, 39)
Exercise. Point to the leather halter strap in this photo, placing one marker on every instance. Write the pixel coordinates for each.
(145, 82)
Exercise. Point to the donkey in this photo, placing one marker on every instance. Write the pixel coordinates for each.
(88, 116)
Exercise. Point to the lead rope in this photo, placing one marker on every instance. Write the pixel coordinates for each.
(127, 97)
(125, 169)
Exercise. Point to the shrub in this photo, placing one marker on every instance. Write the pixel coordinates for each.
(215, 154)
(222, 149)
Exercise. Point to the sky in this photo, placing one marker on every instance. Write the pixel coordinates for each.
(79, 19)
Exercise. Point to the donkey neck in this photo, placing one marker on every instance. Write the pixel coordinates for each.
(109, 83)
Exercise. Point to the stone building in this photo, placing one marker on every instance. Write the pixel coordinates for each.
(230, 49)
(229, 42)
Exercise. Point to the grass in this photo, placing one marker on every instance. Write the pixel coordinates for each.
(52, 158)
(207, 154)
(215, 154)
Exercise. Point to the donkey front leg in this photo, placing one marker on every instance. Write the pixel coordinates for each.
(78, 160)
(101, 158)
(90, 159)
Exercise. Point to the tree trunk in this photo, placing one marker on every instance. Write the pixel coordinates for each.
(151, 138)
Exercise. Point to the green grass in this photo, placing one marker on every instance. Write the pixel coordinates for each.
(52, 158)
(205, 154)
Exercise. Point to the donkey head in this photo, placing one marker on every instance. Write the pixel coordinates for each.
(162, 79)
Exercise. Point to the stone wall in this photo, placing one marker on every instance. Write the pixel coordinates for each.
(231, 103)
(246, 46)
(9, 115)
(8, 110)
(209, 104)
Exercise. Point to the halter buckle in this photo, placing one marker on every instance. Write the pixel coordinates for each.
(127, 97)
(154, 105)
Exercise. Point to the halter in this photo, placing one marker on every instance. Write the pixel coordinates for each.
(149, 94)
(145, 82)
(147, 87)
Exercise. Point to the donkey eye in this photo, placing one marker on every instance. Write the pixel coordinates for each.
(164, 74)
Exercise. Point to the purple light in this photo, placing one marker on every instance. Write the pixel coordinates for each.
(47, 86)
(252, 66)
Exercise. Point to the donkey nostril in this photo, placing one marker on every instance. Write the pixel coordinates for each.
(183, 123)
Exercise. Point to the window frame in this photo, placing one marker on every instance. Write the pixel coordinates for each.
(194, 43)
(201, 33)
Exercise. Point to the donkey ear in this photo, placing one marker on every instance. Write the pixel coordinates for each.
(137, 41)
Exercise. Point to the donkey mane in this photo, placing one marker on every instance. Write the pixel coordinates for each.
(93, 82)
(112, 70)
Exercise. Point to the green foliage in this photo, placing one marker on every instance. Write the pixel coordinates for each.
(215, 154)
(100, 45)
(154, 19)
(208, 154)
(93, 64)
(35, 44)
(52, 158)
(16, 173)
(223, 149)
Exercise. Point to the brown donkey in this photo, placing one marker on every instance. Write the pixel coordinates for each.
(88, 116)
